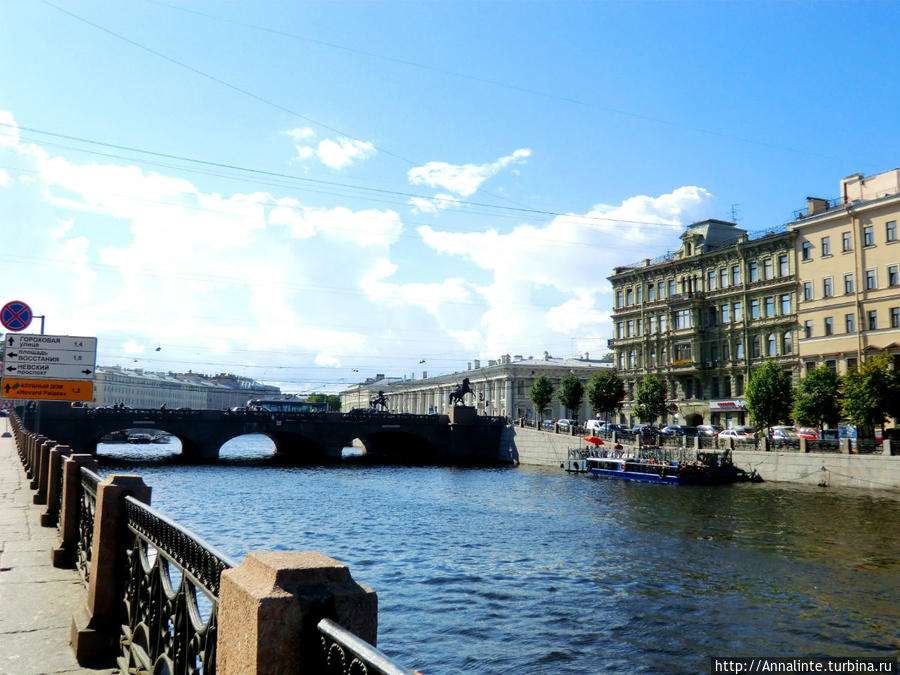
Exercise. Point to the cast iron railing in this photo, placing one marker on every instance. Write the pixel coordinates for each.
(87, 507)
(345, 654)
(171, 596)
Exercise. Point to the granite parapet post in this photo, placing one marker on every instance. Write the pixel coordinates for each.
(95, 629)
(270, 605)
(58, 455)
(43, 471)
(64, 554)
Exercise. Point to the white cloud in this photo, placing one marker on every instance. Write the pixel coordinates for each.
(463, 179)
(4, 178)
(336, 153)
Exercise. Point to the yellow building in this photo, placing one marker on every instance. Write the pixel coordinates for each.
(699, 318)
(848, 269)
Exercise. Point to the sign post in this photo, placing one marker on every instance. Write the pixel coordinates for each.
(49, 367)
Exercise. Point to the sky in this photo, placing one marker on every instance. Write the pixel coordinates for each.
(310, 194)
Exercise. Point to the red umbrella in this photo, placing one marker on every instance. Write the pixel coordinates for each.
(594, 439)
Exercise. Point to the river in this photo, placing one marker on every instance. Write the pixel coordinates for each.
(531, 570)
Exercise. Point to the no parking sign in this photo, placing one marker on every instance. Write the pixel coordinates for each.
(15, 315)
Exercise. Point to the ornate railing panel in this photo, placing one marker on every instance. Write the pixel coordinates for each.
(59, 489)
(345, 654)
(171, 596)
(87, 507)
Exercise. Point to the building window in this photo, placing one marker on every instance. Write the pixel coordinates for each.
(873, 320)
(851, 362)
(767, 268)
(671, 287)
(736, 275)
(826, 245)
(770, 306)
(848, 283)
(739, 350)
(827, 287)
(868, 236)
(770, 345)
(714, 386)
(890, 229)
(724, 313)
(754, 347)
(629, 297)
(850, 323)
(808, 328)
(714, 352)
(753, 272)
(846, 241)
(661, 287)
(640, 294)
(723, 277)
(831, 364)
(806, 251)
(682, 319)
(726, 386)
(711, 316)
(726, 350)
(810, 366)
(807, 290)
(618, 298)
(662, 323)
(682, 352)
(787, 343)
(895, 317)
(754, 309)
(651, 292)
(786, 303)
(738, 312)
(829, 325)
(629, 328)
(783, 267)
(631, 359)
(711, 280)
(893, 275)
(870, 280)
(738, 385)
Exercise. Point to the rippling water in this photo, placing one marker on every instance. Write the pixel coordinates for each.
(537, 571)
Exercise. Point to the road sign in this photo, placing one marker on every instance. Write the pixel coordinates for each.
(50, 357)
(15, 315)
(47, 390)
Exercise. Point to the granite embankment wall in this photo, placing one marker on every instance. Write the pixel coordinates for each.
(542, 448)
(818, 468)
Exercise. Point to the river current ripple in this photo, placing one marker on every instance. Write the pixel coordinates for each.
(525, 570)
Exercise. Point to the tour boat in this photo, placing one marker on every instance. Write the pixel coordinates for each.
(710, 468)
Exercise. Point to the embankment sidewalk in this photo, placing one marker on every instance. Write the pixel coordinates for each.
(36, 599)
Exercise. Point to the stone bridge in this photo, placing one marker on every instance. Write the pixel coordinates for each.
(458, 438)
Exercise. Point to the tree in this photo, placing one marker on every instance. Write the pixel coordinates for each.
(870, 392)
(650, 400)
(571, 391)
(540, 394)
(818, 399)
(333, 401)
(605, 392)
(769, 395)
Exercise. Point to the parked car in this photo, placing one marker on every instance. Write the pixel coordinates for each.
(593, 426)
(612, 426)
(548, 424)
(708, 429)
(783, 432)
(565, 423)
(829, 434)
(737, 435)
(642, 429)
(678, 430)
(748, 430)
(808, 433)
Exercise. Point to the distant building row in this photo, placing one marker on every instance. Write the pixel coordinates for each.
(140, 389)
(824, 289)
(500, 388)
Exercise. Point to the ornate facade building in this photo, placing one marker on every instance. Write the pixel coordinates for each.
(500, 388)
(848, 253)
(701, 317)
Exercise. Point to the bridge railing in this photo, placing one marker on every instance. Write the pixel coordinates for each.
(160, 599)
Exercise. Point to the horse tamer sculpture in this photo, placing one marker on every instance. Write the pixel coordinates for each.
(456, 396)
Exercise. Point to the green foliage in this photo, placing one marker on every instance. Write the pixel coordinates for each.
(650, 400)
(333, 401)
(871, 392)
(605, 391)
(818, 399)
(571, 391)
(540, 394)
(769, 395)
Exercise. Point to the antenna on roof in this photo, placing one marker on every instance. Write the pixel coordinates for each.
(734, 213)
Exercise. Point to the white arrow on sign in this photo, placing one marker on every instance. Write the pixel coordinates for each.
(51, 342)
(17, 356)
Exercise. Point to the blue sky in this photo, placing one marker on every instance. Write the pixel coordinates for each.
(394, 183)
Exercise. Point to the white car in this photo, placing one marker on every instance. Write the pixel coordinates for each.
(565, 424)
(737, 435)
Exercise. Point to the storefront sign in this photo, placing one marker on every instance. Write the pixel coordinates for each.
(736, 404)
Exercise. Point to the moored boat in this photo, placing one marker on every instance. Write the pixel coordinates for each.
(710, 468)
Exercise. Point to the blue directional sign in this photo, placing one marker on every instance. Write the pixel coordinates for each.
(15, 315)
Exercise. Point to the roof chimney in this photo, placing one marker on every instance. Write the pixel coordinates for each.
(477, 364)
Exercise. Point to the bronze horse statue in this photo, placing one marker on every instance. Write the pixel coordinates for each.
(456, 396)
(379, 400)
